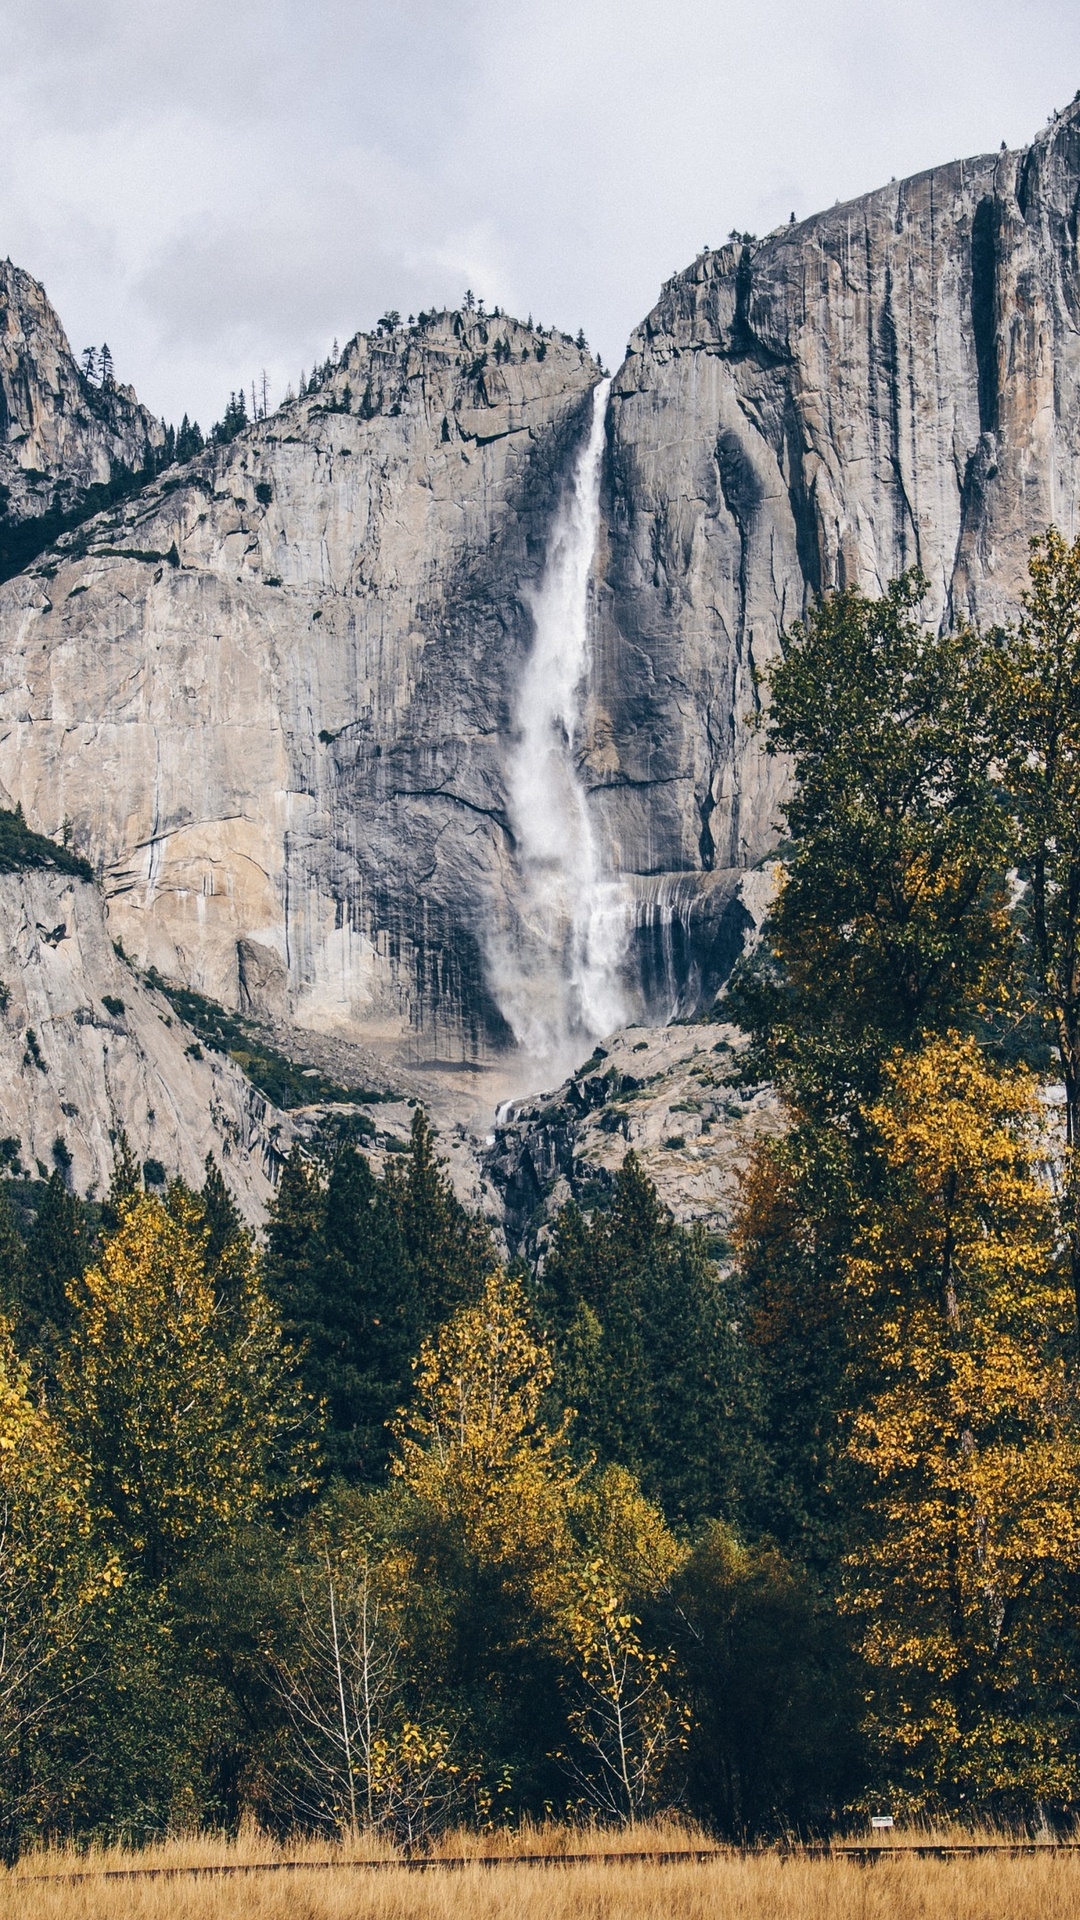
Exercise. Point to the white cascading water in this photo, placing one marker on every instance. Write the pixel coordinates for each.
(558, 982)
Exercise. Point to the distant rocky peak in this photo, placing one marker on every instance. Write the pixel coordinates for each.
(68, 443)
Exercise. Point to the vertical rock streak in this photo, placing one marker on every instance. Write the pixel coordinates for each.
(557, 978)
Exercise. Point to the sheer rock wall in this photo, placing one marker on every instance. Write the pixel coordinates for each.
(271, 695)
(892, 383)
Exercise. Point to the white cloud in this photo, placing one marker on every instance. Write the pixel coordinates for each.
(219, 185)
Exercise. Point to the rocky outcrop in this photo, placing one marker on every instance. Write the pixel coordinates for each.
(271, 694)
(88, 1050)
(63, 437)
(675, 1095)
(893, 383)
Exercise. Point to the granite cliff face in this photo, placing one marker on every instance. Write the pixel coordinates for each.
(276, 695)
(61, 435)
(87, 1049)
(270, 694)
(895, 382)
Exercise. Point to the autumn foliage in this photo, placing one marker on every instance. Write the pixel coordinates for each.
(909, 1245)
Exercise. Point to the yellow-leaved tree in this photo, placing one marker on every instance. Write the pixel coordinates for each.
(51, 1573)
(474, 1448)
(176, 1389)
(628, 1710)
(552, 1563)
(964, 1425)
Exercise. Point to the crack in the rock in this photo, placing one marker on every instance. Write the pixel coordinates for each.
(444, 793)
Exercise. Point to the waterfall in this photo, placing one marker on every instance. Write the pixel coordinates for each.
(556, 977)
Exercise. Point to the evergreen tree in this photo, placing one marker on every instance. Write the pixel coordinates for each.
(13, 1261)
(372, 1304)
(361, 1271)
(225, 1227)
(1035, 709)
(337, 1269)
(776, 1695)
(891, 923)
(294, 1221)
(449, 1251)
(189, 440)
(792, 1233)
(652, 1355)
(232, 422)
(58, 1249)
(126, 1183)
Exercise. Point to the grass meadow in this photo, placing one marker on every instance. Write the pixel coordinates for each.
(313, 1882)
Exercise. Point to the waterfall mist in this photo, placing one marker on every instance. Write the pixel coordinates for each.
(556, 976)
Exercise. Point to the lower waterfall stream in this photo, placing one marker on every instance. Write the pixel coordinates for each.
(558, 983)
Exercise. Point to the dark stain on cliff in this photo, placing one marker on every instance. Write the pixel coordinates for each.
(984, 258)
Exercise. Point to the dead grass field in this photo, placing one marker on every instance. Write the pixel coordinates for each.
(1044, 1886)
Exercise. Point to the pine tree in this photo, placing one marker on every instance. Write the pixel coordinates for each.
(338, 1270)
(793, 1229)
(189, 440)
(776, 1695)
(222, 1215)
(1035, 705)
(14, 1269)
(58, 1249)
(651, 1356)
(448, 1250)
(370, 1291)
(126, 1183)
(891, 920)
(361, 1271)
(294, 1222)
(232, 422)
(891, 924)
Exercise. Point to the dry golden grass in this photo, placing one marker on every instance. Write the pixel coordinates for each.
(1042, 1886)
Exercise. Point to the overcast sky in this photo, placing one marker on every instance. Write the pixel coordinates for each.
(218, 186)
